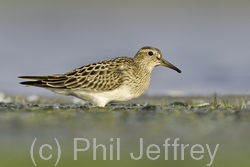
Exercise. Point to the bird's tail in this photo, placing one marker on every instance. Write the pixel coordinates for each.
(55, 81)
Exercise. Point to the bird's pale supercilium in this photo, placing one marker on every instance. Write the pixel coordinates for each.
(116, 79)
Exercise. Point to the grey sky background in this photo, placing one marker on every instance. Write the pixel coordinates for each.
(208, 40)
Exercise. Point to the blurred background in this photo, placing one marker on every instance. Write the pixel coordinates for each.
(208, 40)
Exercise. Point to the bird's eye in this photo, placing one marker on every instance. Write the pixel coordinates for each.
(150, 53)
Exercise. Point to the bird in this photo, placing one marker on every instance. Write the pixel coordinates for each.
(112, 80)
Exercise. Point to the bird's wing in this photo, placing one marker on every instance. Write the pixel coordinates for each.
(102, 76)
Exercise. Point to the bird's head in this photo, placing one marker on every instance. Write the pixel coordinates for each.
(151, 57)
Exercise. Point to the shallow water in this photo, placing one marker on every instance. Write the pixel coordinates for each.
(207, 40)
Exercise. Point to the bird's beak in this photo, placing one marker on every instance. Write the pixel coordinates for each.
(169, 65)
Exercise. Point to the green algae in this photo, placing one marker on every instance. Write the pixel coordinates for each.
(201, 120)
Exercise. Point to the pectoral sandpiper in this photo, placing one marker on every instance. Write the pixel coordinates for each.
(116, 79)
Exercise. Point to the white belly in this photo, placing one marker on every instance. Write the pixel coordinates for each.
(102, 98)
